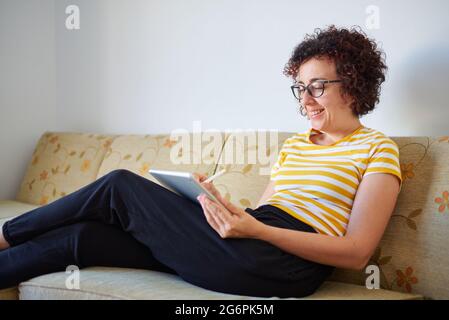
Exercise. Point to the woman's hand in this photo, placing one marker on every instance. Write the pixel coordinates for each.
(229, 221)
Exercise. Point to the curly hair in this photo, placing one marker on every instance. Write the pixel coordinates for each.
(360, 64)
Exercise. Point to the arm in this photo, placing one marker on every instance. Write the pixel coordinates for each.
(372, 208)
(269, 191)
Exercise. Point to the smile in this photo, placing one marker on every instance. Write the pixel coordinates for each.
(315, 113)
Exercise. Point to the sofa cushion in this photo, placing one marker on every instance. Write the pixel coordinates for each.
(117, 283)
(62, 163)
(9, 209)
(245, 182)
(9, 294)
(412, 254)
(139, 153)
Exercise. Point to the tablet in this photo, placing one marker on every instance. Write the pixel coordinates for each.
(182, 183)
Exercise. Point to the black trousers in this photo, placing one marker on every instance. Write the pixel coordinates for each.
(124, 220)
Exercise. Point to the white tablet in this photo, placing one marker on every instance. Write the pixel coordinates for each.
(182, 183)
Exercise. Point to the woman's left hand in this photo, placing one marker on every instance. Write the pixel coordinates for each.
(229, 221)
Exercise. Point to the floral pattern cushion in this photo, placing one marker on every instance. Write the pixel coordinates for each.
(412, 256)
(244, 183)
(62, 163)
(139, 153)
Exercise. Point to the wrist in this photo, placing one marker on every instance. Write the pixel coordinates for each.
(260, 231)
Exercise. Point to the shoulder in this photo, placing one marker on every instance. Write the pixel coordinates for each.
(300, 137)
(380, 142)
(375, 137)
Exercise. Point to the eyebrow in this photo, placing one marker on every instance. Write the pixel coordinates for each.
(311, 80)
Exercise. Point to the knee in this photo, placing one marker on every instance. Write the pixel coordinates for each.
(119, 175)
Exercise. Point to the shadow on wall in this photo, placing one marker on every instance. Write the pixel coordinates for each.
(424, 89)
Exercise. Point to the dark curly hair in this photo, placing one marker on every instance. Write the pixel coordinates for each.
(359, 63)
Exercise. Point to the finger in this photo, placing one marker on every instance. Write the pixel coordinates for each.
(211, 188)
(223, 201)
(215, 211)
(209, 217)
(232, 207)
(221, 214)
(199, 176)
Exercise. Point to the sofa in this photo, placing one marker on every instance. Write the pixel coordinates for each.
(412, 257)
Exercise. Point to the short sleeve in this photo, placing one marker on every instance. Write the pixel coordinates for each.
(384, 158)
(280, 159)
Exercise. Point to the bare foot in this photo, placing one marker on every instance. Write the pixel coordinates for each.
(3, 243)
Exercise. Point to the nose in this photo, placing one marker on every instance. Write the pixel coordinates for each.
(307, 99)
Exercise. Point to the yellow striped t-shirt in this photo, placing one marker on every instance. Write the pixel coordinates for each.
(317, 184)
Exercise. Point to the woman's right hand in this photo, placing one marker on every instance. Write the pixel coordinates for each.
(199, 177)
(207, 185)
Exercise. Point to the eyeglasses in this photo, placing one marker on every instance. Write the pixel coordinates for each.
(315, 88)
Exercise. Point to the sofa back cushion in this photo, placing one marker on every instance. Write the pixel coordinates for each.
(248, 176)
(413, 255)
(191, 152)
(62, 163)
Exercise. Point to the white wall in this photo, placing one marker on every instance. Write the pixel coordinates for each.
(27, 85)
(150, 66)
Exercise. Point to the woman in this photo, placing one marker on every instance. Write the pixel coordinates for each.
(323, 208)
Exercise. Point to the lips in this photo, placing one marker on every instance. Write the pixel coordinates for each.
(316, 112)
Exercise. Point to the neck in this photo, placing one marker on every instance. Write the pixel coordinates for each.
(338, 133)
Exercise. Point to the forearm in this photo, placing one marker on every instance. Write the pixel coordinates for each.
(340, 252)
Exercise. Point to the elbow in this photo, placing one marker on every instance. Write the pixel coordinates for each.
(359, 261)
(358, 257)
(359, 265)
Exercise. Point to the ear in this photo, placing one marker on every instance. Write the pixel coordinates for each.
(347, 98)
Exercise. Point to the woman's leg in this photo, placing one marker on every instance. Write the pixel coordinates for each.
(3, 243)
(81, 244)
(177, 233)
(112, 199)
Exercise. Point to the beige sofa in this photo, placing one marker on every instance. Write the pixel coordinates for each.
(413, 257)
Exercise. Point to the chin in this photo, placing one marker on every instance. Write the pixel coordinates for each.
(317, 124)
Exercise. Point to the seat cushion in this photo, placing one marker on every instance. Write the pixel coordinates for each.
(119, 283)
(9, 294)
(9, 209)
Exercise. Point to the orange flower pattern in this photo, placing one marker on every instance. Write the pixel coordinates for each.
(443, 201)
(169, 143)
(85, 165)
(43, 200)
(43, 175)
(53, 139)
(407, 170)
(406, 278)
(107, 143)
(144, 168)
